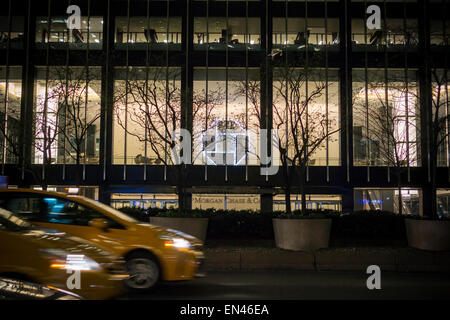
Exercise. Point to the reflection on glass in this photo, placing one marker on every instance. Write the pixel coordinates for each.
(439, 33)
(242, 33)
(147, 108)
(10, 122)
(394, 35)
(292, 33)
(67, 115)
(387, 199)
(440, 104)
(15, 34)
(226, 128)
(386, 119)
(313, 201)
(300, 113)
(226, 201)
(157, 32)
(57, 33)
(144, 200)
(443, 202)
(86, 191)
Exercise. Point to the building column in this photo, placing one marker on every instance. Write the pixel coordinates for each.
(107, 103)
(104, 196)
(345, 75)
(187, 70)
(266, 76)
(266, 203)
(27, 100)
(348, 199)
(426, 106)
(188, 201)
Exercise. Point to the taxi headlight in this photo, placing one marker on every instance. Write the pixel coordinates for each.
(60, 259)
(176, 242)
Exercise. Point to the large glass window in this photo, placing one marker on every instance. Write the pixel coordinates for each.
(395, 34)
(386, 118)
(144, 200)
(238, 33)
(226, 120)
(387, 199)
(10, 123)
(440, 107)
(157, 32)
(226, 201)
(56, 32)
(313, 201)
(199, 201)
(443, 202)
(439, 33)
(306, 114)
(295, 33)
(14, 34)
(304, 0)
(67, 115)
(85, 191)
(147, 110)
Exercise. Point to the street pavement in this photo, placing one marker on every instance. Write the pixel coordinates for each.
(300, 285)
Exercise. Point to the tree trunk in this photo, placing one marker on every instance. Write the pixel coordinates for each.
(181, 200)
(287, 199)
(78, 168)
(399, 187)
(180, 190)
(302, 189)
(288, 186)
(434, 209)
(43, 181)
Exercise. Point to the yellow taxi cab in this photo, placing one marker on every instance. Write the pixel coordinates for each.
(57, 260)
(151, 253)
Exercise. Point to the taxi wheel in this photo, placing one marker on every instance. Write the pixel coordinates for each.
(143, 270)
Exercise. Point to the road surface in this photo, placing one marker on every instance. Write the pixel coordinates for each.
(290, 284)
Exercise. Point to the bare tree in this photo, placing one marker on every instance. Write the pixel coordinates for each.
(300, 118)
(245, 98)
(439, 124)
(252, 90)
(388, 112)
(203, 111)
(74, 116)
(12, 127)
(148, 107)
(62, 116)
(302, 122)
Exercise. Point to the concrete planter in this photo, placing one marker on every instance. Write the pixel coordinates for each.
(302, 234)
(428, 234)
(194, 226)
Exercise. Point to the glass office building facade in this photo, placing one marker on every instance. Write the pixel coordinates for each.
(94, 106)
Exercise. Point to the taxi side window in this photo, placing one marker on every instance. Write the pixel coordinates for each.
(69, 212)
(28, 208)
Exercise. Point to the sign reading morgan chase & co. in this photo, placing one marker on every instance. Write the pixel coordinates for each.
(221, 199)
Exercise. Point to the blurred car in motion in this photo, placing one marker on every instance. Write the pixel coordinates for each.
(151, 253)
(12, 289)
(50, 257)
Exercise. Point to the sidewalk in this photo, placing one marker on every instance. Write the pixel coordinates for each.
(402, 259)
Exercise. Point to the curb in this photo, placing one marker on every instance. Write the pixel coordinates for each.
(401, 259)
